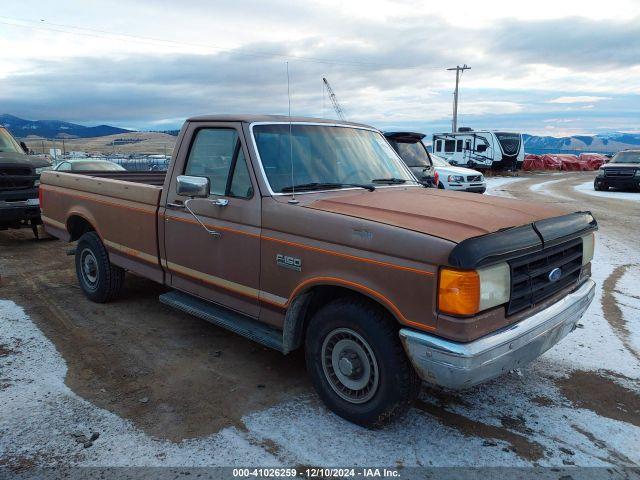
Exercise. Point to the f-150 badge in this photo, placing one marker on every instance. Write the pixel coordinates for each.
(289, 262)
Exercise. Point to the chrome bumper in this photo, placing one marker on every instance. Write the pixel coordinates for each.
(462, 365)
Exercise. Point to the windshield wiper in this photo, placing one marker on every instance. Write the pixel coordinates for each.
(389, 180)
(324, 186)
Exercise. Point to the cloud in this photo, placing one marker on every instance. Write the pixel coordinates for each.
(388, 65)
(578, 99)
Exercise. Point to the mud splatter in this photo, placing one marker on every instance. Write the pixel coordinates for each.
(543, 401)
(612, 311)
(601, 395)
(522, 446)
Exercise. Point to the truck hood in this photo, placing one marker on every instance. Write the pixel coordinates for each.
(21, 159)
(456, 171)
(454, 216)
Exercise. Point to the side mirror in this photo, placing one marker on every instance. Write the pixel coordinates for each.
(481, 148)
(25, 149)
(194, 187)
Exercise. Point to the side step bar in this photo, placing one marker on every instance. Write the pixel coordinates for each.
(223, 317)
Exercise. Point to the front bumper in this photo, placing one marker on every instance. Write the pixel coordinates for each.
(468, 187)
(19, 213)
(619, 182)
(462, 365)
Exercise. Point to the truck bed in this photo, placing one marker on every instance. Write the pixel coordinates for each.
(121, 206)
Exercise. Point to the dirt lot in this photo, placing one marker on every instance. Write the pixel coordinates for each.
(162, 388)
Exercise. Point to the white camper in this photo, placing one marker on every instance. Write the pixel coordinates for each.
(482, 149)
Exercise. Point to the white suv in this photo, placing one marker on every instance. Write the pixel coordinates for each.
(425, 166)
(458, 178)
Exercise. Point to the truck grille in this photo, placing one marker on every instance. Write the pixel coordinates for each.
(16, 178)
(474, 178)
(618, 172)
(530, 283)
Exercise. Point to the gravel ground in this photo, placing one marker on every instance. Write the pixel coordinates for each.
(135, 384)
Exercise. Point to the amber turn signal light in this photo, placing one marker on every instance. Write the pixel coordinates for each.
(459, 292)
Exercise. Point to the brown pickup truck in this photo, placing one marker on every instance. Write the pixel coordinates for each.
(310, 233)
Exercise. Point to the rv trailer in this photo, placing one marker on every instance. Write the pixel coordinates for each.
(482, 149)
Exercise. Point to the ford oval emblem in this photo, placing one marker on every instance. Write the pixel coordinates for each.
(555, 274)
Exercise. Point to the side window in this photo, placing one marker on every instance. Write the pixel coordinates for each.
(216, 154)
(438, 145)
(240, 185)
(449, 146)
(65, 167)
(467, 144)
(459, 146)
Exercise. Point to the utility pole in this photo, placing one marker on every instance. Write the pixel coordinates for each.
(459, 69)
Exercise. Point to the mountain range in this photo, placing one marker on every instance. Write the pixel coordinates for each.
(605, 143)
(22, 128)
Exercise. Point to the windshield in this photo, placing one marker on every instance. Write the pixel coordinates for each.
(325, 155)
(413, 154)
(439, 161)
(102, 166)
(8, 144)
(626, 157)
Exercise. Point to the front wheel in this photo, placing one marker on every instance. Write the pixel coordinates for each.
(99, 279)
(357, 364)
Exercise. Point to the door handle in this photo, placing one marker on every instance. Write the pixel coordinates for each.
(221, 202)
(175, 205)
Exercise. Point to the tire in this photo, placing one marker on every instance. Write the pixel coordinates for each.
(99, 279)
(441, 186)
(599, 187)
(383, 386)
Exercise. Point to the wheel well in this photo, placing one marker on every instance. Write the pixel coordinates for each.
(78, 226)
(307, 304)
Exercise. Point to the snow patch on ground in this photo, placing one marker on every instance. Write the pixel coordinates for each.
(587, 188)
(495, 185)
(40, 413)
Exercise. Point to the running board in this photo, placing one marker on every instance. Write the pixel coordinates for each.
(223, 317)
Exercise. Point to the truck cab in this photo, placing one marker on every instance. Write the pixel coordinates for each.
(19, 180)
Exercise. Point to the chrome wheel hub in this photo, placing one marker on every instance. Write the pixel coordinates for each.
(89, 268)
(349, 365)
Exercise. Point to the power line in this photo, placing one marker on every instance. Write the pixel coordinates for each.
(96, 33)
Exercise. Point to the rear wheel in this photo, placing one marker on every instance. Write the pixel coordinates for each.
(357, 364)
(441, 186)
(99, 279)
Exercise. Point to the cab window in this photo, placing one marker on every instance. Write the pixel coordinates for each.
(216, 153)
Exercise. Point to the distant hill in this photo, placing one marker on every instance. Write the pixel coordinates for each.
(604, 143)
(121, 143)
(22, 128)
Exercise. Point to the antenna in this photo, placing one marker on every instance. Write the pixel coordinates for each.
(293, 183)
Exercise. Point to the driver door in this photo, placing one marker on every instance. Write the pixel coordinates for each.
(222, 268)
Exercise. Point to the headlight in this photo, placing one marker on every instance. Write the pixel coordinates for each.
(601, 172)
(467, 292)
(588, 247)
(456, 178)
(637, 173)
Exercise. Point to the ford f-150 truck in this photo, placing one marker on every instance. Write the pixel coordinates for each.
(19, 177)
(299, 232)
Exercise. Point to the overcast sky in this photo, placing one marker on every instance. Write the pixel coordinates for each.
(545, 67)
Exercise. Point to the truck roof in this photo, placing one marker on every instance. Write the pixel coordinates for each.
(251, 118)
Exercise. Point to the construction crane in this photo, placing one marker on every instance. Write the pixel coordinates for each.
(334, 100)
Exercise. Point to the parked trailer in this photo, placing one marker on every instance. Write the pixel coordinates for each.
(482, 149)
